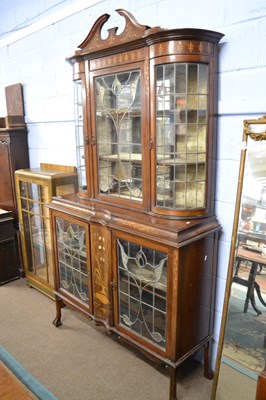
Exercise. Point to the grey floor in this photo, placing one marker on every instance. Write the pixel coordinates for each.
(80, 361)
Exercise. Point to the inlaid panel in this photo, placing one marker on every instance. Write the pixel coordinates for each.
(101, 267)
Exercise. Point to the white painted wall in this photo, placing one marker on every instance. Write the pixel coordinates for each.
(35, 56)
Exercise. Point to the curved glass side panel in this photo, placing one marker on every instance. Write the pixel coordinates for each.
(118, 129)
(181, 135)
(80, 149)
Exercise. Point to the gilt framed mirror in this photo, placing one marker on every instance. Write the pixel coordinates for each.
(240, 364)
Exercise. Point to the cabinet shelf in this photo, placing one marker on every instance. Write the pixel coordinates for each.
(120, 111)
(178, 162)
(134, 157)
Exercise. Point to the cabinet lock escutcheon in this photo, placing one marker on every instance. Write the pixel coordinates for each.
(150, 143)
(113, 285)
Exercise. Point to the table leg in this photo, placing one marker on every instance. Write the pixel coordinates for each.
(238, 262)
(250, 291)
(257, 288)
(253, 303)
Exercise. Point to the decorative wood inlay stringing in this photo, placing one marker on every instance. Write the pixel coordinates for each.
(156, 50)
(181, 47)
(117, 59)
(98, 43)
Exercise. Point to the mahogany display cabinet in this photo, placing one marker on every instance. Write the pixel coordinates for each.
(136, 247)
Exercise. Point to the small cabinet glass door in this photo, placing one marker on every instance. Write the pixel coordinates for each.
(181, 135)
(37, 233)
(142, 291)
(73, 261)
(119, 129)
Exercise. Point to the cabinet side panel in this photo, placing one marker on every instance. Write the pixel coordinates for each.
(13, 156)
(101, 272)
(6, 191)
(8, 255)
(19, 150)
(196, 290)
(9, 260)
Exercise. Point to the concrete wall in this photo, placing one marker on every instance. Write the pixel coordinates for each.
(39, 40)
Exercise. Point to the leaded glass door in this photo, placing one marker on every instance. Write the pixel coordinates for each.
(142, 291)
(181, 112)
(73, 260)
(120, 135)
(36, 230)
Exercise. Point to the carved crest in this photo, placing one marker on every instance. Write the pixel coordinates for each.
(94, 42)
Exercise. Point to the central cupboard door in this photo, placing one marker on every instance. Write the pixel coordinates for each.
(120, 135)
(142, 302)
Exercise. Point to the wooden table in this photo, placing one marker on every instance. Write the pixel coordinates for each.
(257, 261)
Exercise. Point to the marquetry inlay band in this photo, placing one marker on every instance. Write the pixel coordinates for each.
(181, 47)
(100, 252)
(156, 50)
(117, 59)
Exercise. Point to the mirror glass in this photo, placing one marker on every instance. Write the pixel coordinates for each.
(241, 352)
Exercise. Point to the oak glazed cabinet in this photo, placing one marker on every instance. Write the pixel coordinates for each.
(35, 187)
(136, 248)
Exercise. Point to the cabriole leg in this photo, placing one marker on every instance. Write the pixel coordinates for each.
(57, 321)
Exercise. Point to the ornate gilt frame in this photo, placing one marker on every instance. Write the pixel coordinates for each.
(256, 136)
